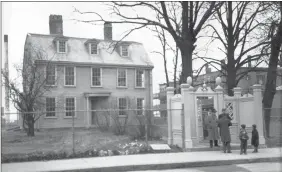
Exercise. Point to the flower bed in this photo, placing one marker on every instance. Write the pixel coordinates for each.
(122, 149)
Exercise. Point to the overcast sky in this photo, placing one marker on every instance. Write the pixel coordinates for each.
(20, 18)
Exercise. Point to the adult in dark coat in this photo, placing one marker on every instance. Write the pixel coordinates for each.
(224, 113)
(255, 138)
(223, 123)
(212, 126)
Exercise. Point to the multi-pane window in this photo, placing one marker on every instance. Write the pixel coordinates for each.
(122, 106)
(260, 79)
(140, 106)
(93, 48)
(124, 50)
(140, 78)
(96, 77)
(50, 107)
(50, 74)
(122, 77)
(62, 46)
(69, 76)
(70, 106)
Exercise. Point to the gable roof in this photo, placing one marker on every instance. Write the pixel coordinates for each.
(77, 51)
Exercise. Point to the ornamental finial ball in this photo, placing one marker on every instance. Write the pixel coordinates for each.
(189, 80)
(218, 80)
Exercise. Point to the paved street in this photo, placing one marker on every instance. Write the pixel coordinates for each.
(254, 167)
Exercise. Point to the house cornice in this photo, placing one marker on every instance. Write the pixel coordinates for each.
(93, 64)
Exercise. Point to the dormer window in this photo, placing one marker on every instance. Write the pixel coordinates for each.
(61, 46)
(93, 48)
(124, 50)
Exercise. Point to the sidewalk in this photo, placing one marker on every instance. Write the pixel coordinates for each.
(147, 161)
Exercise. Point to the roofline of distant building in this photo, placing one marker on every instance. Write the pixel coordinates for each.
(53, 35)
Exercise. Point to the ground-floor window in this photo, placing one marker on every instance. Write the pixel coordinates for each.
(70, 106)
(122, 105)
(140, 106)
(50, 107)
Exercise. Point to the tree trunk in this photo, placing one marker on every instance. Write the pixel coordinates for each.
(270, 86)
(186, 48)
(30, 122)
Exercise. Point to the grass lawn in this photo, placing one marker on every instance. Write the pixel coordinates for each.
(55, 140)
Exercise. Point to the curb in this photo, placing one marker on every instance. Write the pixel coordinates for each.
(177, 165)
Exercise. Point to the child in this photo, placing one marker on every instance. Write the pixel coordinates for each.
(244, 138)
(255, 138)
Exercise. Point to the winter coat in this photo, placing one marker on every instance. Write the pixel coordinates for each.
(255, 138)
(211, 123)
(224, 114)
(224, 124)
(243, 135)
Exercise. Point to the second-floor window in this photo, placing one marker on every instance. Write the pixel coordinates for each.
(61, 47)
(121, 78)
(93, 48)
(69, 76)
(124, 50)
(96, 76)
(122, 106)
(50, 74)
(140, 78)
(70, 106)
(50, 107)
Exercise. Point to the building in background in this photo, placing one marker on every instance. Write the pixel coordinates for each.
(90, 74)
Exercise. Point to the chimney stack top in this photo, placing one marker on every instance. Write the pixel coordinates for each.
(5, 38)
(108, 31)
(56, 24)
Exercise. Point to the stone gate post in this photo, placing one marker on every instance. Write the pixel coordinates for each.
(258, 112)
(219, 93)
(169, 95)
(187, 92)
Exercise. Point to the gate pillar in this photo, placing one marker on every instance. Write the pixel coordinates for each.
(258, 112)
(169, 95)
(188, 100)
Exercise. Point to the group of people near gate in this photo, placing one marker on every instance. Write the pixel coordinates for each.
(219, 128)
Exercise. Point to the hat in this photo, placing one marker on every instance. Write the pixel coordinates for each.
(254, 125)
(243, 126)
(213, 110)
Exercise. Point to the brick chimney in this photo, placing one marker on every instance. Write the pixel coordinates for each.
(208, 69)
(108, 31)
(249, 63)
(56, 24)
(222, 63)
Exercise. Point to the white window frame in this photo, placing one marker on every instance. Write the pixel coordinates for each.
(74, 68)
(101, 78)
(46, 116)
(143, 105)
(125, 77)
(65, 106)
(143, 79)
(121, 49)
(55, 75)
(58, 46)
(126, 106)
(90, 48)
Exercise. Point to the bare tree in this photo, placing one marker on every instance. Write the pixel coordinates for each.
(275, 37)
(238, 37)
(29, 98)
(183, 20)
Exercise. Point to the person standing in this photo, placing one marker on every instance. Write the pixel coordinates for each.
(223, 123)
(244, 139)
(224, 113)
(211, 123)
(255, 138)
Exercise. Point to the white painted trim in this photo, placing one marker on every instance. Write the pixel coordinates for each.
(101, 76)
(125, 78)
(75, 107)
(74, 68)
(143, 83)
